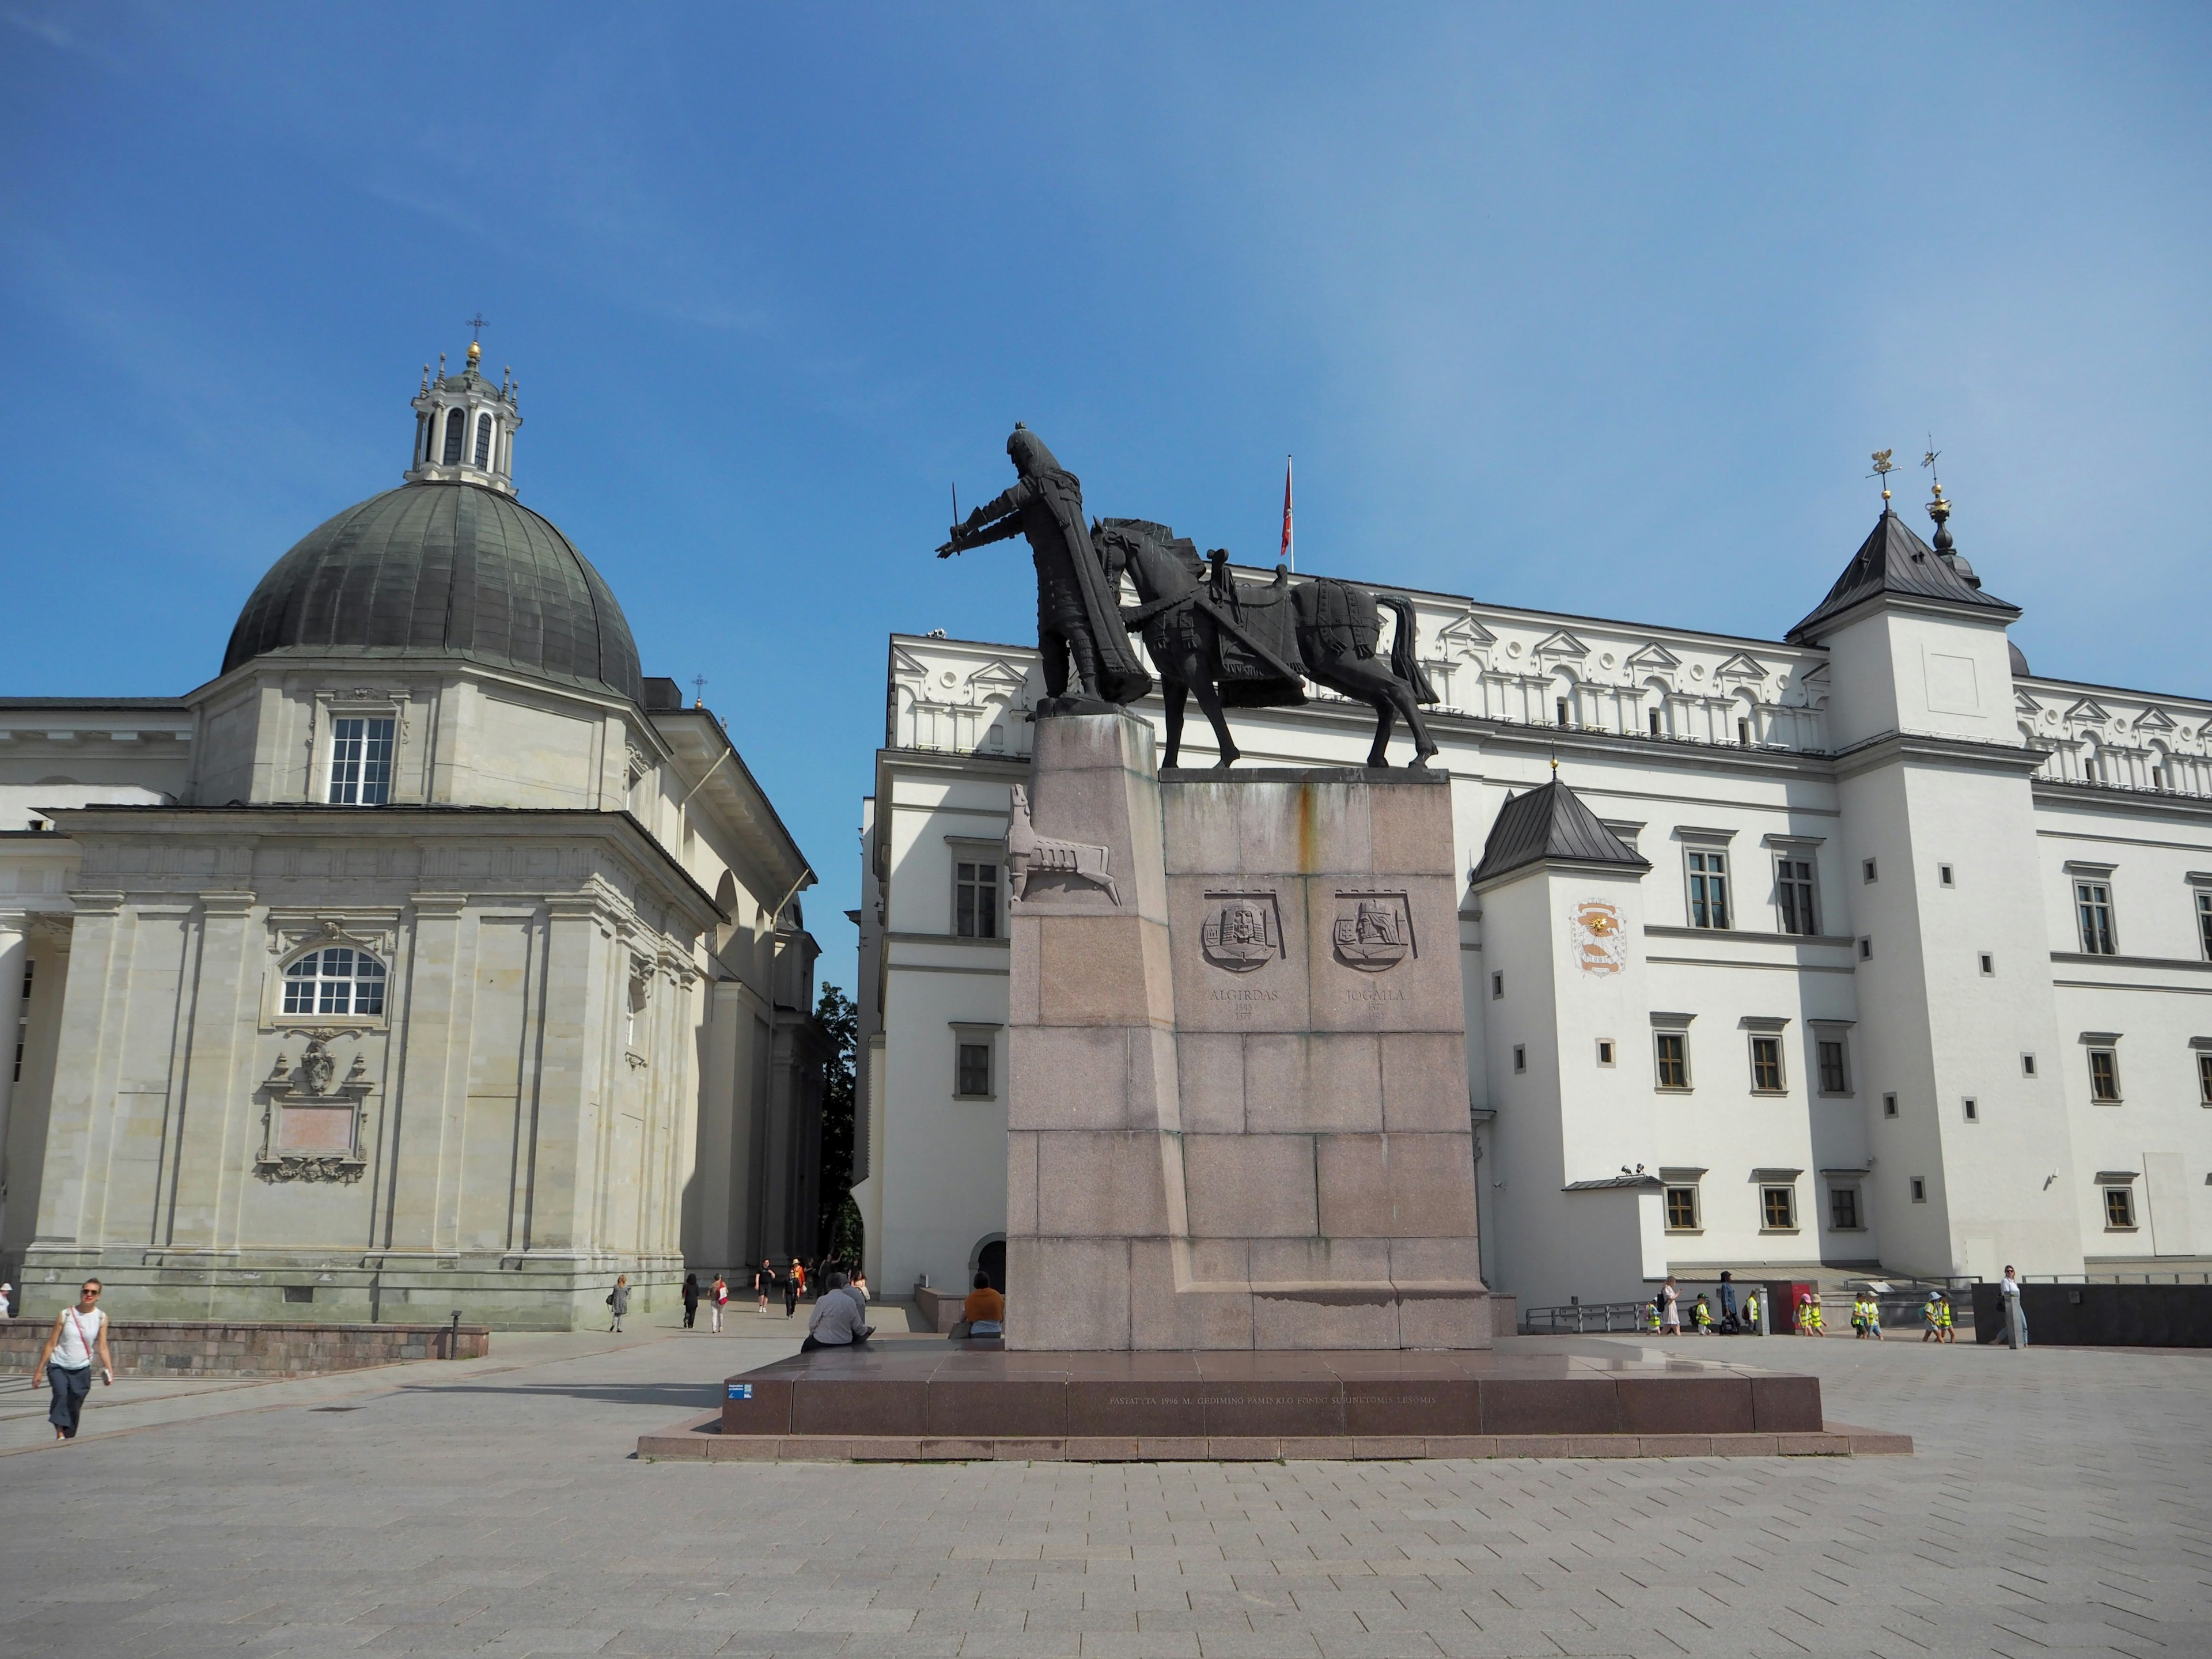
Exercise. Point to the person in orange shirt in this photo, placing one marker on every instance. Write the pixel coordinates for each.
(985, 1309)
(794, 1286)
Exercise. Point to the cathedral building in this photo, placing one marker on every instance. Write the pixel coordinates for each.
(1864, 948)
(429, 956)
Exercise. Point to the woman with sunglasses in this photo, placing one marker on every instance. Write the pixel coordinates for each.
(79, 1335)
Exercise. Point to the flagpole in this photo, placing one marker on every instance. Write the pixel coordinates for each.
(1289, 556)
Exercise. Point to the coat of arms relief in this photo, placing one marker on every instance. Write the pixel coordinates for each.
(1373, 932)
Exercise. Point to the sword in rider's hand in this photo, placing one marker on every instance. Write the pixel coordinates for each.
(953, 545)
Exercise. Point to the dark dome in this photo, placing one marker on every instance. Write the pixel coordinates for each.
(443, 570)
(2019, 668)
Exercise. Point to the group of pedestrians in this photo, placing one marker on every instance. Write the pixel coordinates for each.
(791, 1284)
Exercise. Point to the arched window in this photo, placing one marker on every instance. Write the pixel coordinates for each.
(457, 432)
(483, 439)
(421, 439)
(337, 979)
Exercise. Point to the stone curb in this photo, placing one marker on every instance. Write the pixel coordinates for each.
(700, 1440)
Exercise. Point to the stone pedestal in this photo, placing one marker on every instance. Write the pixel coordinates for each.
(1238, 1102)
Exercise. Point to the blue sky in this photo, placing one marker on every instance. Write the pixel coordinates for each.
(1600, 310)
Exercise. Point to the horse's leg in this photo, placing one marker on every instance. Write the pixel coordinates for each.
(1177, 692)
(1385, 718)
(1424, 744)
(1209, 700)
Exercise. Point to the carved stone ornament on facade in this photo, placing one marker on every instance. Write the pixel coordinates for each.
(285, 935)
(1373, 931)
(310, 1122)
(1029, 854)
(1595, 929)
(1242, 931)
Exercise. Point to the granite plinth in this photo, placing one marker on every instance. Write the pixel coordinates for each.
(1211, 1405)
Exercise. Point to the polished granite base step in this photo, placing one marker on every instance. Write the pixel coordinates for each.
(923, 1402)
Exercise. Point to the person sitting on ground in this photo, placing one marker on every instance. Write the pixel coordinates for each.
(985, 1309)
(837, 1320)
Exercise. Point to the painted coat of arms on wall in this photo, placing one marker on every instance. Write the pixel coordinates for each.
(1598, 944)
(1373, 932)
(1242, 931)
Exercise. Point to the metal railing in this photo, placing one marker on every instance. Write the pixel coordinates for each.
(2184, 1276)
(1582, 1318)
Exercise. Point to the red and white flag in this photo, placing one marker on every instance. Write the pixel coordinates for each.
(1288, 555)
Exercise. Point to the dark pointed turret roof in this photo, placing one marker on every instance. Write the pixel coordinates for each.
(1893, 560)
(1548, 824)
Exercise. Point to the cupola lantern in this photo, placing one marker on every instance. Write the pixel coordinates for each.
(465, 427)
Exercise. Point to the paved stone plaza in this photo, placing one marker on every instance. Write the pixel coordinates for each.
(2059, 1504)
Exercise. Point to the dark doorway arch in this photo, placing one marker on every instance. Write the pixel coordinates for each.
(991, 1262)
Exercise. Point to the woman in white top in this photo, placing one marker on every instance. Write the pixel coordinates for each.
(79, 1335)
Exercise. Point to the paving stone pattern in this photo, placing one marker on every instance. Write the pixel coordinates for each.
(2058, 1504)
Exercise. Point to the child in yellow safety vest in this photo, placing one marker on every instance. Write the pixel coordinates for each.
(1873, 1317)
(1943, 1315)
(1931, 1317)
(1701, 1316)
(1751, 1312)
(1808, 1315)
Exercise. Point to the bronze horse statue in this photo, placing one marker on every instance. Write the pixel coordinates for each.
(1237, 645)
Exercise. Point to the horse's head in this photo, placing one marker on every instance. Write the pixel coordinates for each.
(1161, 562)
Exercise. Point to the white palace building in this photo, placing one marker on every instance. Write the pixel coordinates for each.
(1864, 947)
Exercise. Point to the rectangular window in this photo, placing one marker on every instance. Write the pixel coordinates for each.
(1778, 1208)
(1973, 1110)
(1793, 886)
(1919, 1190)
(2105, 1076)
(974, 1079)
(1709, 904)
(2119, 1209)
(1674, 1055)
(1989, 965)
(975, 900)
(1866, 869)
(1835, 1071)
(1496, 986)
(1766, 1065)
(1682, 1209)
(2205, 924)
(23, 1018)
(2028, 1064)
(2203, 1062)
(1889, 1105)
(1520, 1057)
(1843, 1209)
(1605, 1051)
(1654, 719)
(361, 761)
(2092, 905)
(1865, 950)
(1743, 732)
(1943, 875)
(1559, 710)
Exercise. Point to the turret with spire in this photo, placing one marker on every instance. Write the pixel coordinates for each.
(464, 426)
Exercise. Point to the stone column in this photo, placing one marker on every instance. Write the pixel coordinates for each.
(14, 952)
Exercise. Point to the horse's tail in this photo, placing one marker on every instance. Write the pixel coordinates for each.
(1405, 657)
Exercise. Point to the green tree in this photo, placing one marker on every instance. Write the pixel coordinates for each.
(840, 1230)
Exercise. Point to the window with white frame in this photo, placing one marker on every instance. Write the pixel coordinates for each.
(2205, 923)
(2092, 910)
(2104, 1073)
(2119, 1209)
(1778, 1208)
(1765, 1065)
(972, 1050)
(457, 428)
(335, 979)
(1708, 894)
(974, 897)
(360, 760)
(1793, 893)
(1670, 1054)
(1843, 1209)
(1682, 1208)
(2203, 1066)
(1835, 1063)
